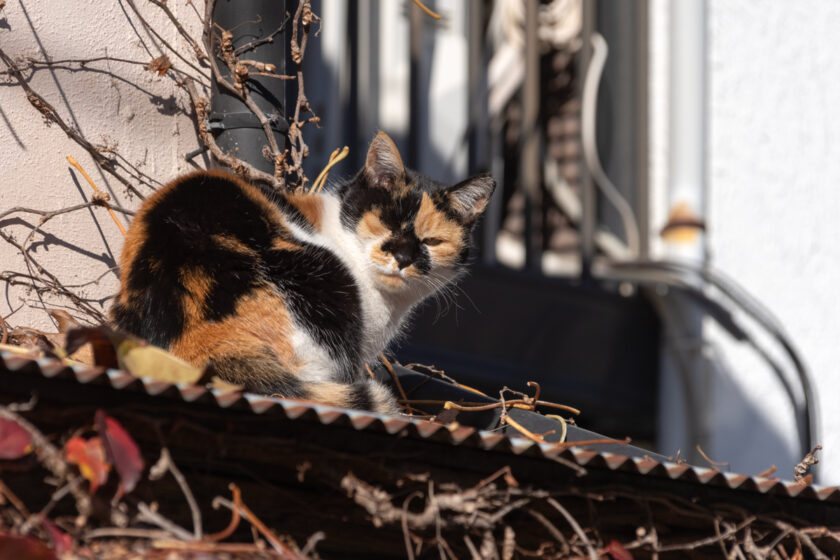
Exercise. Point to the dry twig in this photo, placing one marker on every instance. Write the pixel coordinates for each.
(51, 115)
(99, 197)
(802, 468)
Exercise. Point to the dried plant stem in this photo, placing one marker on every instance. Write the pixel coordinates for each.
(321, 179)
(423, 7)
(166, 462)
(516, 403)
(6, 492)
(52, 115)
(593, 554)
(261, 527)
(56, 285)
(268, 39)
(163, 41)
(149, 515)
(767, 472)
(391, 371)
(104, 201)
(199, 53)
(232, 548)
(126, 532)
(714, 464)
(234, 519)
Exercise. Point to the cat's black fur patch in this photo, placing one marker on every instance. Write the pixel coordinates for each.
(322, 296)
(360, 396)
(177, 239)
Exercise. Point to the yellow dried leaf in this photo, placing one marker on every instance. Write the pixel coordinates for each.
(154, 362)
(224, 386)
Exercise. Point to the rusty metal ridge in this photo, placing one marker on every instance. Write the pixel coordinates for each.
(363, 420)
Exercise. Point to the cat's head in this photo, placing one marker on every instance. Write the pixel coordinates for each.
(414, 230)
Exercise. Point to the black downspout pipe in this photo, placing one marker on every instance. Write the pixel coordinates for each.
(236, 129)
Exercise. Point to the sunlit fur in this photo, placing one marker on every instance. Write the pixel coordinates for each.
(293, 294)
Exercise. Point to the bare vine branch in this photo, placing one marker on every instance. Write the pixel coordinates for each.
(51, 115)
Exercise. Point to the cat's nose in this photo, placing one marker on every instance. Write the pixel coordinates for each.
(404, 256)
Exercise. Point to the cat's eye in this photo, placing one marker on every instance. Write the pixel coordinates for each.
(432, 241)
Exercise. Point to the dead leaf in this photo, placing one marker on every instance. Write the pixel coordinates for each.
(15, 442)
(446, 417)
(89, 456)
(151, 361)
(224, 386)
(99, 338)
(122, 451)
(161, 65)
(31, 339)
(24, 548)
(66, 322)
(117, 349)
(617, 551)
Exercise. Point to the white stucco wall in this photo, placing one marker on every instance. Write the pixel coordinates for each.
(774, 171)
(772, 184)
(112, 103)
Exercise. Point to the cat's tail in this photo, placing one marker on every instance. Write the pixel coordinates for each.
(365, 394)
(260, 372)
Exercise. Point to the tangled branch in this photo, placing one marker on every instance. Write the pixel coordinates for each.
(190, 71)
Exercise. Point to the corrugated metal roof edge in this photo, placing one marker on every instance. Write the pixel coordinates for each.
(364, 420)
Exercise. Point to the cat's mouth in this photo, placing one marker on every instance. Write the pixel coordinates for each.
(392, 279)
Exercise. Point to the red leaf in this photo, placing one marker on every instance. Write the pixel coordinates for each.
(122, 451)
(617, 551)
(89, 455)
(62, 542)
(15, 442)
(24, 548)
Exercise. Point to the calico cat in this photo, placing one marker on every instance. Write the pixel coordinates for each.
(292, 293)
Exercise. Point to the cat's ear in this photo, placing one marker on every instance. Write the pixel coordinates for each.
(383, 165)
(469, 198)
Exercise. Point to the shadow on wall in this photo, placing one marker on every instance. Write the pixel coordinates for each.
(81, 253)
(719, 414)
(741, 433)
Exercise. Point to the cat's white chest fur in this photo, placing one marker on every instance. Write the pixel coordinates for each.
(383, 312)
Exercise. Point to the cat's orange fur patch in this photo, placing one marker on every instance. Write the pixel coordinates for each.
(371, 227)
(310, 206)
(380, 257)
(284, 244)
(335, 394)
(197, 285)
(432, 223)
(249, 327)
(391, 281)
(232, 243)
